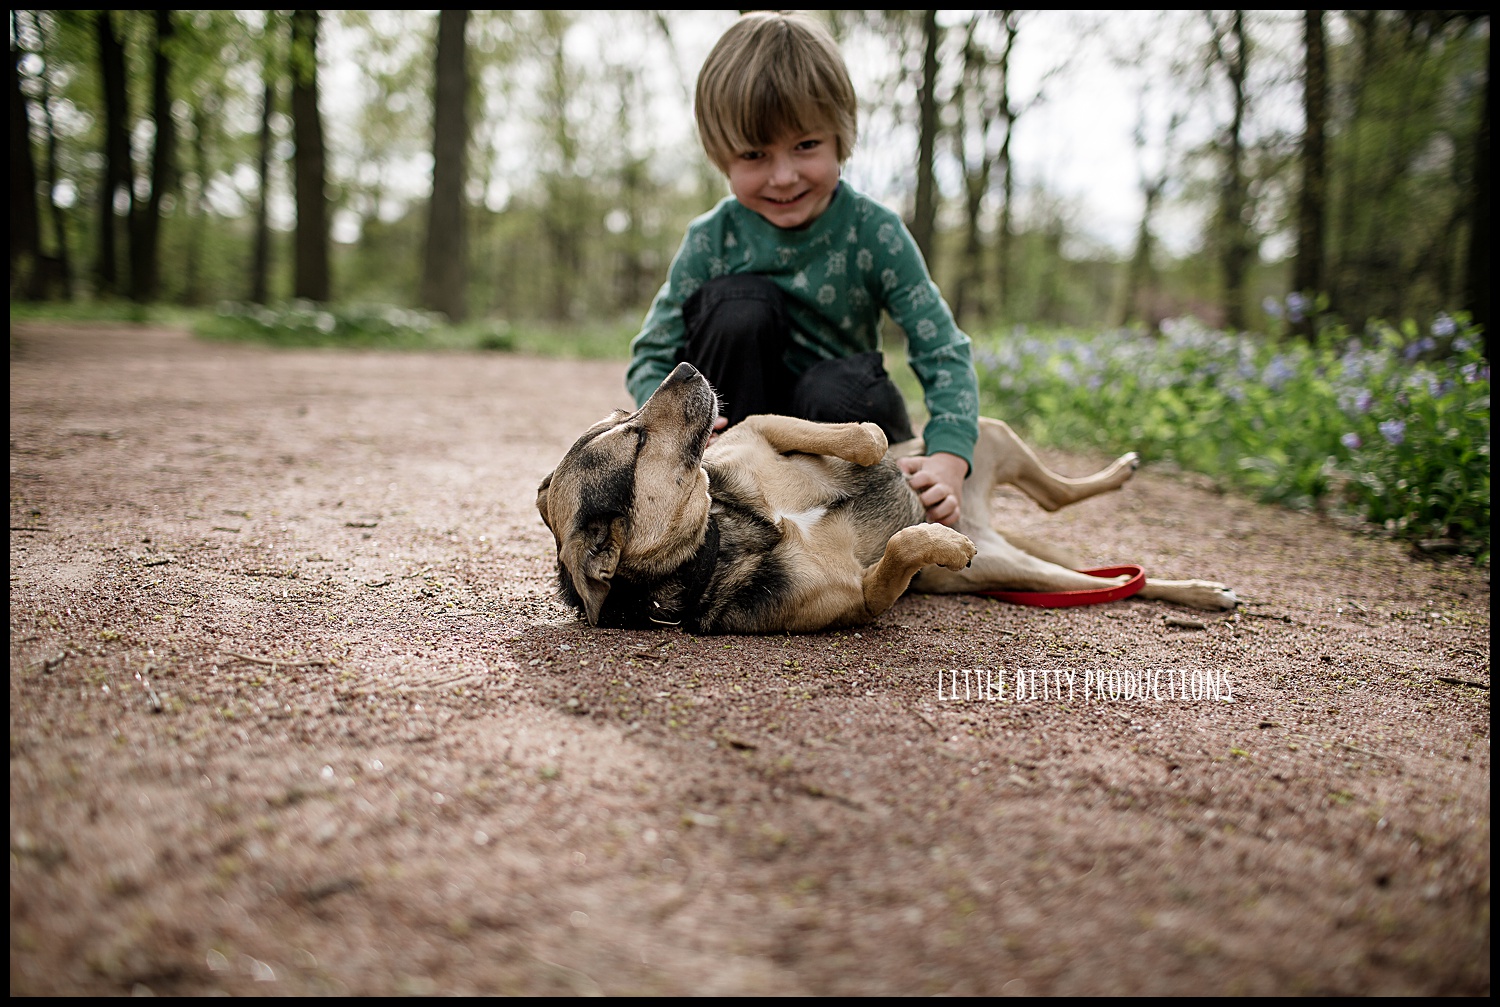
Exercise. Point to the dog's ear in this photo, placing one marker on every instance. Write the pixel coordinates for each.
(541, 501)
(591, 558)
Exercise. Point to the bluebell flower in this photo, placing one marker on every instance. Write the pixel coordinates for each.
(1444, 326)
(1421, 346)
(1272, 307)
(1296, 306)
(1351, 441)
(1394, 431)
(1278, 372)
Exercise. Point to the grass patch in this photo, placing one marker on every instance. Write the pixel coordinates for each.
(302, 324)
(358, 326)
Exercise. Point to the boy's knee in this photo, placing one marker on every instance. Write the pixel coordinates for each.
(743, 308)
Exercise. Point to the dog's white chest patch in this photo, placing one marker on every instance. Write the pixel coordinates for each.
(805, 520)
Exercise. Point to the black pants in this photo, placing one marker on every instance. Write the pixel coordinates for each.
(737, 336)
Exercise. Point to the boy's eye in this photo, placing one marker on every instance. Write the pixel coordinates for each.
(809, 144)
(751, 155)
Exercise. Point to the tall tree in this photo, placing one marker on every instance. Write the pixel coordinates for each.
(145, 244)
(25, 235)
(116, 194)
(1307, 269)
(1136, 304)
(59, 264)
(924, 212)
(445, 272)
(1008, 111)
(564, 187)
(1477, 276)
(260, 253)
(1230, 51)
(312, 280)
(975, 102)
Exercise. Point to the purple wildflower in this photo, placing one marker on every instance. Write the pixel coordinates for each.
(1278, 371)
(1296, 306)
(1394, 431)
(1351, 441)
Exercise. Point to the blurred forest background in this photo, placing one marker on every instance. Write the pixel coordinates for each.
(538, 167)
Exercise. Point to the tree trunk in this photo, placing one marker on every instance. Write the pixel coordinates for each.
(1477, 277)
(1307, 275)
(25, 235)
(312, 280)
(973, 92)
(260, 255)
(445, 275)
(1345, 270)
(924, 213)
(119, 172)
(63, 278)
(197, 223)
(1140, 272)
(1005, 236)
(145, 245)
(1235, 251)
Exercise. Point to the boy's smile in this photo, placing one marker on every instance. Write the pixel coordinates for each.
(789, 182)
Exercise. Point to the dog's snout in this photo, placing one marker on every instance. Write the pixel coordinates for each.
(682, 372)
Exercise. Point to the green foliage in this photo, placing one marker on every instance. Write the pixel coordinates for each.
(1392, 426)
(306, 324)
(375, 326)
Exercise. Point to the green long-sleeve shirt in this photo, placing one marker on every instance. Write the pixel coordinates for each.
(837, 275)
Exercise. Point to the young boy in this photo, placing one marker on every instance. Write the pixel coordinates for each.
(776, 294)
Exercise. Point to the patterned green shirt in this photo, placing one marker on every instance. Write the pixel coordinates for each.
(837, 276)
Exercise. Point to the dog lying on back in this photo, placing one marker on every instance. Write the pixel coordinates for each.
(785, 525)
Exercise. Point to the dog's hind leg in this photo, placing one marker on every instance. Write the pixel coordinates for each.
(1001, 458)
(1001, 566)
(1205, 594)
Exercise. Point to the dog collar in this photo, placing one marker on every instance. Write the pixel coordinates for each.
(696, 574)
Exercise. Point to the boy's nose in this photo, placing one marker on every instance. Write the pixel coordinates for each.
(783, 170)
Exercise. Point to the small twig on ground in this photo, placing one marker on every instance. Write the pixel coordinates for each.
(1464, 681)
(923, 718)
(272, 662)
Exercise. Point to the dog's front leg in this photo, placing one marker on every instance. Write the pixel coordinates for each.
(860, 443)
(908, 551)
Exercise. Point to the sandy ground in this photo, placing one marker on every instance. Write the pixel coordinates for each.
(293, 710)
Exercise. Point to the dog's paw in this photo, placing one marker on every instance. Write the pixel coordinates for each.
(869, 451)
(941, 545)
(1210, 596)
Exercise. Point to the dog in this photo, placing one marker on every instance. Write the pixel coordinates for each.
(785, 525)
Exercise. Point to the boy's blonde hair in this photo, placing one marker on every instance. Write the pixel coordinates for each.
(773, 74)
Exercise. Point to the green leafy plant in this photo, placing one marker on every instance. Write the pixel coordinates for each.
(1392, 425)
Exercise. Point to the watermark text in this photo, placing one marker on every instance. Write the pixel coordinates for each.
(1072, 685)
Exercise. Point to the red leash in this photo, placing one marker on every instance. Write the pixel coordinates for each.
(1088, 596)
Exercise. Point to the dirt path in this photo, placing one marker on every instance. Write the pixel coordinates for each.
(292, 710)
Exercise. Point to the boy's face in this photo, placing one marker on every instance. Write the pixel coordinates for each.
(789, 182)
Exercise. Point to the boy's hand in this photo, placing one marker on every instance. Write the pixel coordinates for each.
(939, 482)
